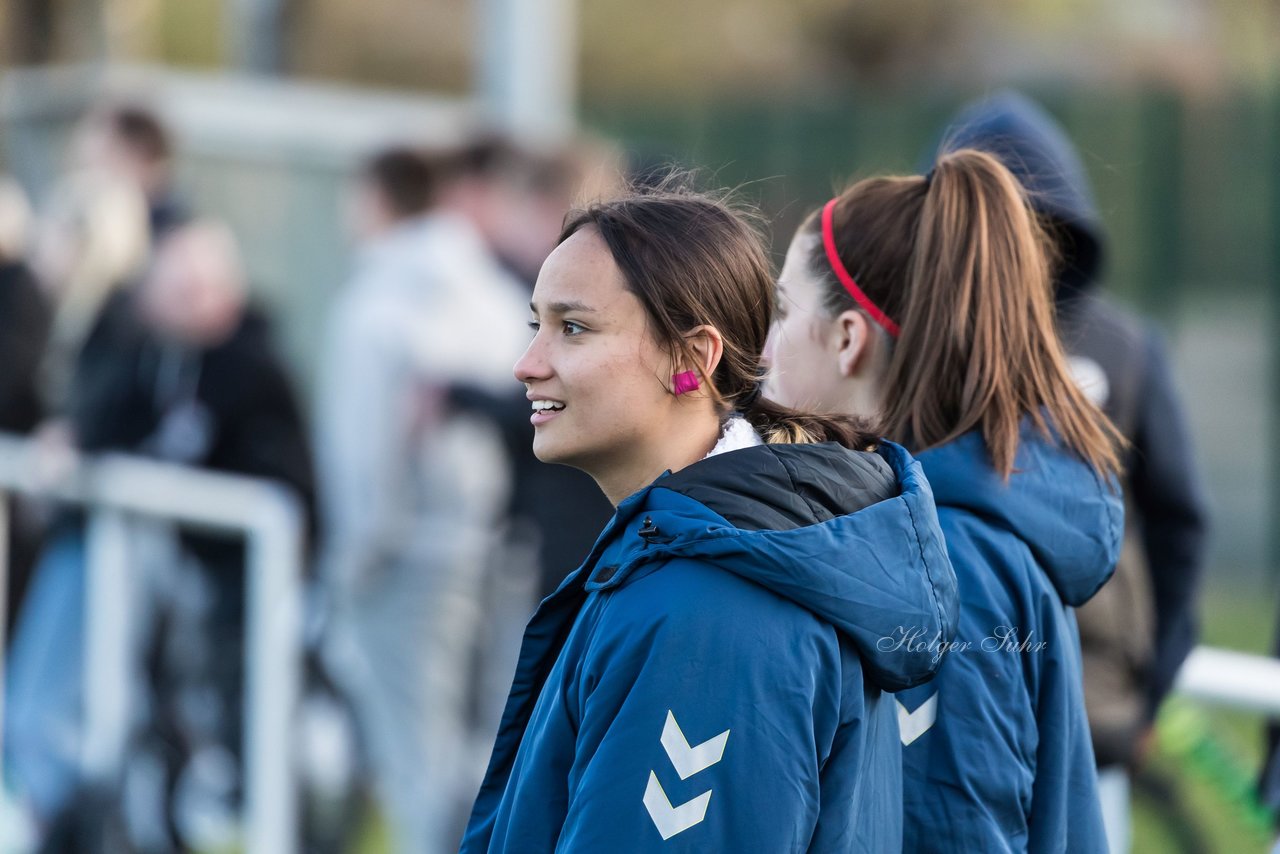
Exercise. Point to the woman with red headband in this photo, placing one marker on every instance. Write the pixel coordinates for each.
(924, 302)
(712, 678)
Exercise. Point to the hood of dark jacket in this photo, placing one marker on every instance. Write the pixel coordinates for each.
(853, 537)
(1070, 517)
(1036, 149)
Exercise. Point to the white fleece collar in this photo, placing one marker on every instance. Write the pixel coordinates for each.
(737, 434)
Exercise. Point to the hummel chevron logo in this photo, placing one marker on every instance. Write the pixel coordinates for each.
(690, 760)
(672, 820)
(687, 760)
(912, 725)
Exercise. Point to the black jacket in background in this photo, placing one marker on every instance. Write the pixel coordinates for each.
(24, 331)
(228, 408)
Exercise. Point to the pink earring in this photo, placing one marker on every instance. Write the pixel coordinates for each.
(683, 382)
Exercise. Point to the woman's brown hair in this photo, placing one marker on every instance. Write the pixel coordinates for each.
(959, 262)
(693, 260)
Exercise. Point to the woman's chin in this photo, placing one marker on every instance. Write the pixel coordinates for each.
(559, 452)
(548, 450)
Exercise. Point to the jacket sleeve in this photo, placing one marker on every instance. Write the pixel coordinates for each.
(706, 707)
(1170, 504)
(269, 436)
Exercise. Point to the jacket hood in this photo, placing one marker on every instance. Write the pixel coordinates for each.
(1071, 518)
(852, 537)
(1036, 149)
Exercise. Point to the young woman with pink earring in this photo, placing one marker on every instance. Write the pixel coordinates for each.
(714, 676)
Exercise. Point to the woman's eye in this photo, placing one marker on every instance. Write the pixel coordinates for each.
(535, 325)
(571, 328)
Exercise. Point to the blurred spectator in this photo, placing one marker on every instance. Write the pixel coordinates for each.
(131, 143)
(181, 369)
(207, 390)
(210, 390)
(91, 243)
(413, 493)
(24, 329)
(1136, 632)
(537, 189)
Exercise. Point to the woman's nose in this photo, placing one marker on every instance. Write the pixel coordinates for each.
(533, 364)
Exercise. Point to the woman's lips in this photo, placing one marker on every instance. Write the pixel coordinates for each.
(542, 416)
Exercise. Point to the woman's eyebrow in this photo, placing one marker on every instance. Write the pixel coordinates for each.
(563, 307)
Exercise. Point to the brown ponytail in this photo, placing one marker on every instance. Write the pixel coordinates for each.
(959, 262)
(694, 260)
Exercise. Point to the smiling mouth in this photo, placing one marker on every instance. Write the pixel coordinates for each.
(544, 411)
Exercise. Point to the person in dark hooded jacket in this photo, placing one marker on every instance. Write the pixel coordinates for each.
(710, 679)
(925, 301)
(1138, 630)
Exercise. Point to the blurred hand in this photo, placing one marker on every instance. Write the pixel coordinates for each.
(57, 455)
(1142, 748)
(430, 406)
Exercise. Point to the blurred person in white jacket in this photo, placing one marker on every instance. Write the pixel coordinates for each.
(413, 493)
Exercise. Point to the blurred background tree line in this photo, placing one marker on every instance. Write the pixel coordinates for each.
(692, 51)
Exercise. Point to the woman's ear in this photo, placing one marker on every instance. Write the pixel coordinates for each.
(855, 343)
(707, 346)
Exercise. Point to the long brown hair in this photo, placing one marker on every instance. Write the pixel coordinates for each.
(959, 262)
(692, 260)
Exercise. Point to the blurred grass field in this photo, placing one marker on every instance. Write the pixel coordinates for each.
(1196, 795)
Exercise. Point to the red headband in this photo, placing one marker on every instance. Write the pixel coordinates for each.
(833, 258)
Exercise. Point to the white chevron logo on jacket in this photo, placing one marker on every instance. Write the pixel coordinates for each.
(687, 760)
(912, 725)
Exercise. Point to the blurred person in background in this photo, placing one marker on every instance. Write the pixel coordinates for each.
(925, 302)
(91, 244)
(1136, 632)
(184, 371)
(534, 188)
(414, 490)
(130, 142)
(538, 187)
(207, 389)
(24, 329)
(89, 252)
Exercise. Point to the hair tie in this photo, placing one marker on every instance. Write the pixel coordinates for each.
(753, 392)
(833, 258)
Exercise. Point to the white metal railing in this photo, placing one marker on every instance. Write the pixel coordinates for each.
(113, 488)
(1235, 679)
